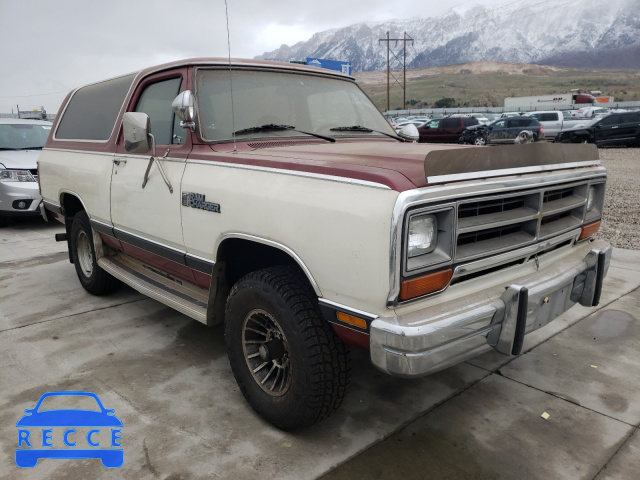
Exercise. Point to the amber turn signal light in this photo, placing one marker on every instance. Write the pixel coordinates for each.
(416, 287)
(351, 320)
(589, 230)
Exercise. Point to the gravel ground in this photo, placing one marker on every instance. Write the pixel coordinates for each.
(621, 219)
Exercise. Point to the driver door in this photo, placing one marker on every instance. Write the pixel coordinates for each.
(148, 219)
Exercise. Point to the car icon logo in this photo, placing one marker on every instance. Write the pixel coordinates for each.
(69, 433)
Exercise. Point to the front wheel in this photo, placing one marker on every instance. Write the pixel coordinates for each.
(288, 362)
(479, 140)
(93, 278)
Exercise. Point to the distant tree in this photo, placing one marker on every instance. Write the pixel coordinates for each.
(446, 102)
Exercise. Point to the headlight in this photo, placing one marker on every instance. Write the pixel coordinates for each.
(423, 235)
(16, 176)
(591, 196)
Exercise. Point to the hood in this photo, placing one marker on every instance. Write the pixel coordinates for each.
(27, 159)
(477, 127)
(399, 166)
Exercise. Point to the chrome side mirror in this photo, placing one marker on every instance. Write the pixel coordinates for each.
(184, 106)
(137, 132)
(409, 132)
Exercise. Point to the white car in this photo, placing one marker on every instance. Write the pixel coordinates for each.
(20, 145)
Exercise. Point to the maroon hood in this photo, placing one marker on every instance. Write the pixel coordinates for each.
(400, 166)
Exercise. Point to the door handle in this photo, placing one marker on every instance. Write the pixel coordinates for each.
(118, 161)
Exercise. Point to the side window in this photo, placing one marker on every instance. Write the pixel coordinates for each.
(155, 101)
(548, 117)
(434, 124)
(610, 120)
(92, 111)
(500, 124)
(450, 123)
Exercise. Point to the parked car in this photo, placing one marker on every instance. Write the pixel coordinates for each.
(481, 117)
(20, 145)
(418, 123)
(614, 129)
(504, 130)
(553, 121)
(445, 130)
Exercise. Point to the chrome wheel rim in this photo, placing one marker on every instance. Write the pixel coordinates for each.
(266, 352)
(479, 141)
(85, 257)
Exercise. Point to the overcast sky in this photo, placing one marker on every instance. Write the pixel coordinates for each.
(49, 47)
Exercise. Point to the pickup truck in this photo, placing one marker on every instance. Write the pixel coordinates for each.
(553, 121)
(275, 199)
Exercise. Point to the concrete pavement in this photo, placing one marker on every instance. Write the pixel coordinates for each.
(168, 379)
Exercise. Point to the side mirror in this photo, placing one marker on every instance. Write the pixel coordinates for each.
(137, 129)
(409, 132)
(184, 107)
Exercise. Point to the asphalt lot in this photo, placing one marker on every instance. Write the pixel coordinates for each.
(169, 381)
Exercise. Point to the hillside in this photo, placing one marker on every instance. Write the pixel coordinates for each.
(489, 83)
(543, 32)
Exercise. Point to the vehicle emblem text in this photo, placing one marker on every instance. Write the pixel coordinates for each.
(196, 200)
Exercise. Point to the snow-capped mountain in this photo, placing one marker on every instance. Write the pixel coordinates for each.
(584, 33)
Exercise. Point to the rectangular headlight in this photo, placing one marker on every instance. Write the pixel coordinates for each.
(423, 235)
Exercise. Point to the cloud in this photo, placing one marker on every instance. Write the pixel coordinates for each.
(48, 47)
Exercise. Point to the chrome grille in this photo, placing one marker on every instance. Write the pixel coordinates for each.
(491, 225)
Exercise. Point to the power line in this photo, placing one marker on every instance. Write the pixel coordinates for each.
(35, 94)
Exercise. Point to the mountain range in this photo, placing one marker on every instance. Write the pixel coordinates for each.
(584, 33)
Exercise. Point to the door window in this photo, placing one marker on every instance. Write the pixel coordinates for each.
(610, 120)
(450, 123)
(155, 101)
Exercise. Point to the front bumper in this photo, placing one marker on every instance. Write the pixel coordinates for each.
(13, 192)
(429, 340)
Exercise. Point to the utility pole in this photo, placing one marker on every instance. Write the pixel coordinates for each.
(406, 38)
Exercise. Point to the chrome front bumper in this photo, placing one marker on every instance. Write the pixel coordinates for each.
(431, 339)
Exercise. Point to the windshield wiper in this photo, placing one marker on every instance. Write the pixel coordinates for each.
(360, 128)
(21, 148)
(274, 127)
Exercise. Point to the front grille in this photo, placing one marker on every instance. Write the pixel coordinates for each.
(500, 223)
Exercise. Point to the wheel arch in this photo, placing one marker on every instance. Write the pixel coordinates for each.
(70, 205)
(238, 254)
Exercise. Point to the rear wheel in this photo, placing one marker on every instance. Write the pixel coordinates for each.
(93, 278)
(288, 362)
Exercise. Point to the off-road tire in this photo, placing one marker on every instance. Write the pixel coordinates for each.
(92, 278)
(319, 363)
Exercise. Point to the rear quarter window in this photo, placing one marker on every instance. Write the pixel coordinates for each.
(92, 111)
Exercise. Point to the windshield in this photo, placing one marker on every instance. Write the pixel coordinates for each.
(23, 136)
(306, 103)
